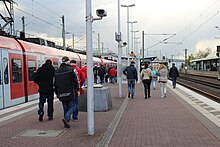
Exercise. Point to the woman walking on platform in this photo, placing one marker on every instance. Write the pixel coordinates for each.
(163, 73)
(146, 80)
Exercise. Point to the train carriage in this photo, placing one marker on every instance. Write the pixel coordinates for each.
(19, 61)
(12, 90)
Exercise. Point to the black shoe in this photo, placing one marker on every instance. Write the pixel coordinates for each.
(50, 118)
(40, 117)
(149, 96)
(129, 95)
(132, 96)
(145, 97)
(66, 124)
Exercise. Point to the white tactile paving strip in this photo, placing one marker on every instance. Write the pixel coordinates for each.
(207, 107)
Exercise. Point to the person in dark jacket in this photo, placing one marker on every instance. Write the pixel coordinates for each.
(44, 79)
(174, 74)
(131, 73)
(66, 88)
(101, 73)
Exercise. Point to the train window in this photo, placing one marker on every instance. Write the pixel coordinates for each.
(16, 71)
(55, 65)
(31, 69)
(5, 64)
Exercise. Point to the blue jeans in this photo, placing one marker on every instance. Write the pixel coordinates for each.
(174, 81)
(131, 86)
(76, 111)
(42, 100)
(68, 108)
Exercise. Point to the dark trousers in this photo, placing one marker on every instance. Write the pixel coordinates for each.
(76, 111)
(42, 100)
(146, 83)
(101, 78)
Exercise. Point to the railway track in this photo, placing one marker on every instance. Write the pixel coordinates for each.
(207, 86)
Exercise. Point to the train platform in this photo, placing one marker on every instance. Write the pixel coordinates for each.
(182, 119)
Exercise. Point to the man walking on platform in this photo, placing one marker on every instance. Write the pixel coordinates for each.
(66, 88)
(174, 74)
(81, 81)
(44, 80)
(131, 73)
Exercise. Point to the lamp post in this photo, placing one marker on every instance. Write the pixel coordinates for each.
(89, 58)
(133, 41)
(132, 45)
(128, 49)
(118, 39)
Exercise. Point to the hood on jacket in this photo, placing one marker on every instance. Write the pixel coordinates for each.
(47, 66)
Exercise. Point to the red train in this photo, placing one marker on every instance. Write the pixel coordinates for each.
(19, 60)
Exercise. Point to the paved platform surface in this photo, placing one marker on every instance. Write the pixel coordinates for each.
(153, 122)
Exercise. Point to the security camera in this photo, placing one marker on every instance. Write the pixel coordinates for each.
(124, 43)
(101, 12)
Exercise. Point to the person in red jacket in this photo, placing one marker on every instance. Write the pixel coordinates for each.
(84, 71)
(81, 79)
(112, 74)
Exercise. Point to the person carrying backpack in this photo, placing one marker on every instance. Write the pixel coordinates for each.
(66, 88)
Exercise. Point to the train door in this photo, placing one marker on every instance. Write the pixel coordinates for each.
(4, 79)
(1, 83)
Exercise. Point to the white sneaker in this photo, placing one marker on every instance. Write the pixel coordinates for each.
(162, 96)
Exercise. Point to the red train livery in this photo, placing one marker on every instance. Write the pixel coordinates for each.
(19, 60)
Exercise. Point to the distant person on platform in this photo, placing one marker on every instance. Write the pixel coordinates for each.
(44, 79)
(66, 88)
(154, 77)
(131, 73)
(101, 73)
(81, 81)
(146, 80)
(163, 73)
(174, 74)
(112, 74)
(84, 71)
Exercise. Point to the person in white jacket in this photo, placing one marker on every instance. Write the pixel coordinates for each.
(163, 74)
(146, 76)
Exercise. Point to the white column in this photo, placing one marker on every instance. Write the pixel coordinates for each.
(89, 56)
(119, 71)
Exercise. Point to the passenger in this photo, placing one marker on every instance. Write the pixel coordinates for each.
(84, 71)
(131, 73)
(81, 79)
(146, 80)
(174, 74)
(95, 72)
(44, 79)
(66, 88)
(163, 73)
(112, 74)
(101, 73)
(154, 77)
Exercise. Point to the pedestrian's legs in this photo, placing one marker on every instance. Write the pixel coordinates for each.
(50, 99)
(75, 113)
(42, 100)
(70, 109)
(148, 88)
(132, 87)
(174, 82)
(65, 108)
(162, 89)
(165, 89)
(129, 86)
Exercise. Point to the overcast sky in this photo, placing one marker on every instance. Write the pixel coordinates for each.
(193, 22)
